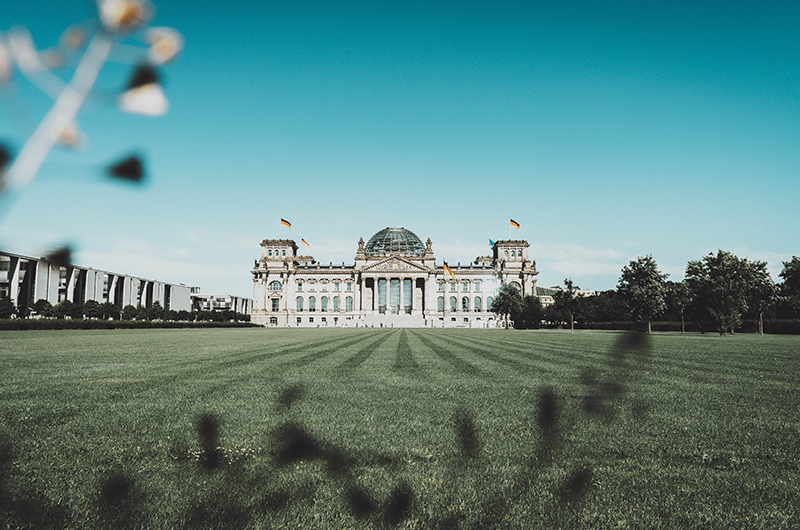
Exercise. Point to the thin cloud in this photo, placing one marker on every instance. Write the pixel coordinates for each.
(574, 260)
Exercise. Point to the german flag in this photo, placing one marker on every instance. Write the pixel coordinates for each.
(288, 225)
(303, 241)
(514, 224)
(449, 271)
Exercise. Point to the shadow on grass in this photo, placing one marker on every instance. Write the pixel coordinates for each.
(235, 493)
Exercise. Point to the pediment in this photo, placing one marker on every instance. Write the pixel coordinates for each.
(394, 264)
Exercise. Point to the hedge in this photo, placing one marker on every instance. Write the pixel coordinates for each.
(786, 327)
(57, 323)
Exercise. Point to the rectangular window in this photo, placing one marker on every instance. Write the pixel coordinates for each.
(382, 295)
(336, 286)
(441, 287)
(394, 295)
(299, 286)
(324, 286)
(407, 295)
(275, 303)
(349, 287)
(453, 287)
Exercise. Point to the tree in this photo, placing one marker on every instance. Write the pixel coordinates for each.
(641, 285)
(566, 302)
(508, 302)
(155, 311)
(605, 306)
(678, 299)
(68, 309)
(761, 291)
(111, 310)
(142, 313)
(43, 308)
(92, 309)
(719, 290)
(7, 307)
(531, 313)
(790, 288)
(128, 312)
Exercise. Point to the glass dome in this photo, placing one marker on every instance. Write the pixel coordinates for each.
(394, 241)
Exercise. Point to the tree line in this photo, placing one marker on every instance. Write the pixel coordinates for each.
(92, 309)
(720, 292)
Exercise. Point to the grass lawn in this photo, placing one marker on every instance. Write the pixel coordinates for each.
(400, 428)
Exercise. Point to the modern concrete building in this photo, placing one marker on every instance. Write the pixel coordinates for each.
(221, 302)
(394, 282)
(26, 279)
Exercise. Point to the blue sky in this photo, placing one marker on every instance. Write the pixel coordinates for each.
(608, 130)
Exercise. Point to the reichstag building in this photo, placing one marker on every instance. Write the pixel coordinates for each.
(394, 282)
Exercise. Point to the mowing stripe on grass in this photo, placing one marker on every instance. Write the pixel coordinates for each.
(311, 357)
(352, 363)
(404, 361)
(485, 348)
(484, 353)
(457, 362)
(233, 361)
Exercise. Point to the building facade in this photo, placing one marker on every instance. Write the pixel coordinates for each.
(221, 302)
(26, 279)
(394, 282)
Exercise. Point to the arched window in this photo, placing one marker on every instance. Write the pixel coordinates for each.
(440, 303)
(336, 301)
(489, 302)
(518, 286)
(312, 303)
(453, 302)
(478, 303)
(275, 286)
(299, 303)
(348, 303)
(324, 304)
(465, 304)
(513, 254)
(506, 253)
(269, 253)
(284, 253)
